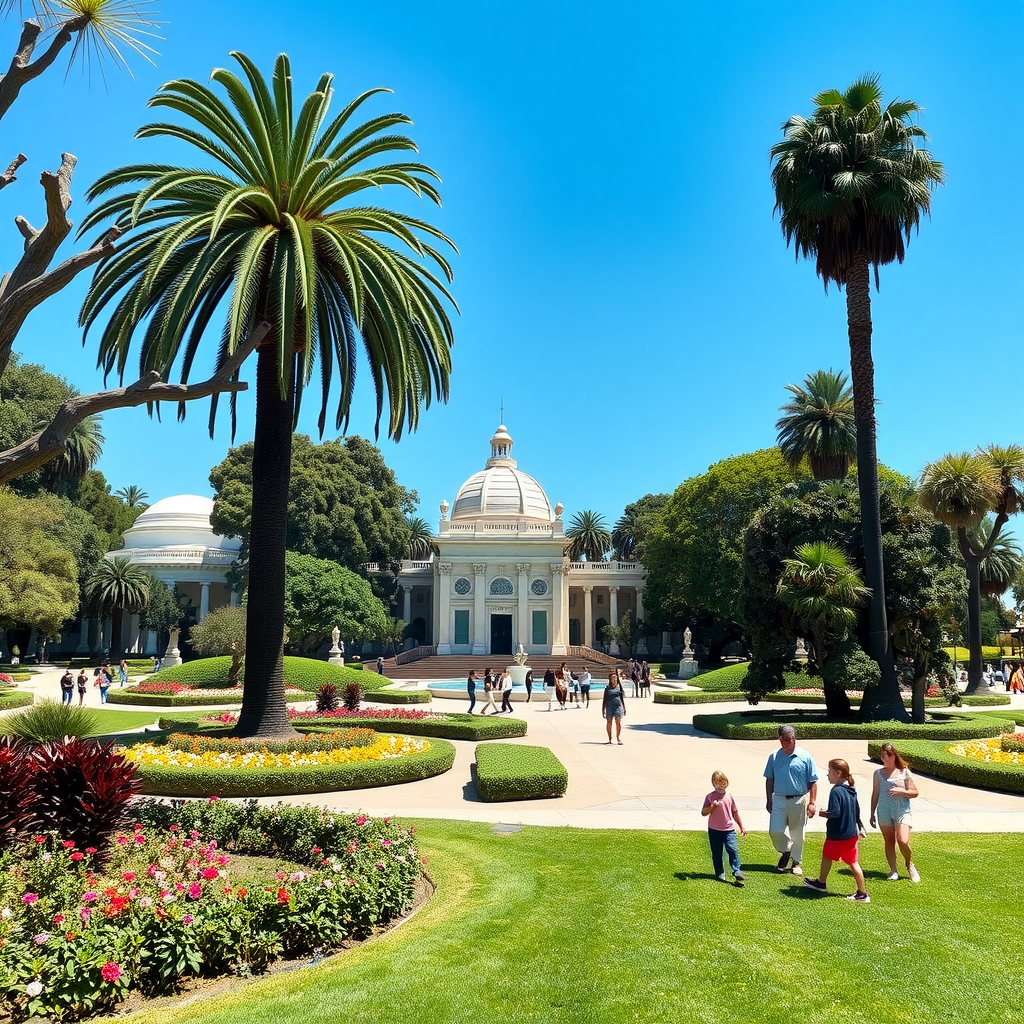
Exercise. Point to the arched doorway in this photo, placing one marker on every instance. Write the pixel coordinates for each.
(597, 641)
(574, 632)
(418, 630)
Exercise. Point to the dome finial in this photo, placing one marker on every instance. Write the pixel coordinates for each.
(501, 448)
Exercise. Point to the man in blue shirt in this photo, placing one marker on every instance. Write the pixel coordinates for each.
(791, 786)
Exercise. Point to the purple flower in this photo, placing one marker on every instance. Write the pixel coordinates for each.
(41, 939)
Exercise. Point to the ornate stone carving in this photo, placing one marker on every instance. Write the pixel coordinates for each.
(444, 568)
(523, 568)
(558, 568)
(479, 568)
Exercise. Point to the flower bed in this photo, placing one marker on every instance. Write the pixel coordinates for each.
(1012, 743)
(77, 933)
(164, 693)
(386, 761)
(510, 771)
(307, 674)
(974, 763)
(198, 743)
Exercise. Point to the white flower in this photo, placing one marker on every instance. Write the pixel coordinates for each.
(6, 913)
(33, 989)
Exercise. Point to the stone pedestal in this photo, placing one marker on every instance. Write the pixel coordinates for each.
(518, 673)
(687, 665)
(172, 656)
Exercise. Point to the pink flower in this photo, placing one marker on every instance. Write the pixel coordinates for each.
(90, 850)
(146, 901)
(88, 897)
(174, 828)
(210, 874)
(213, 799)
(110, 971)
(194, 834)
(29, 898)
(188, 919)
(85, 913)
(361, 820)
(121, 840)
(41, 939)
(386, 842)
(380, 867)
(316, 849)
(195, 890)
(58, 918)
(140, 839)
(128, 876)
(40, 839)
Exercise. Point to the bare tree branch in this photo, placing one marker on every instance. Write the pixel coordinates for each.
(10, 175)
(21, 71)
(30, 283)
(49, 442)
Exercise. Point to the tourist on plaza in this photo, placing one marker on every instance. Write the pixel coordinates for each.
(892, 790)
(561, 685)
(723, 819)
(1017, 679)
(471, 690)
(987, 675)
(529, 685)
(505, 686)
(645, 679)
(574, 688)
(380, 665)
(123, 670)
(585, 679)
(961, 680)
(791, 786)
(843, 829)
(82, 683)
(67, 686)
(613, 706)
(634, 675)
(549, 687)
(103, 681)
(490, 683)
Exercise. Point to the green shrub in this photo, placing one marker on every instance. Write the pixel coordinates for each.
(667, 668)
(17, 676)
(181, 700)
(811, 725)
(982, 700)
(729, 679)
(451, 727)
(340, 739)
(988, 653)
(14, 699)
(305, 673)
(402, 697)
(695, 697)
(509, 771)
(934, 758)
(49, 720)
(164, 781)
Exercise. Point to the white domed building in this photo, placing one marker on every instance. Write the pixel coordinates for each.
(500, 578)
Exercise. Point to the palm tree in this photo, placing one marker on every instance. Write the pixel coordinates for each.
(850, 186)
(81, 453)
(118, 586)
(823, 592)
(1003, 563)
(818, 425)
(588, 536)
(421, 539)
(133, 496)
(960, 490)
(268, 234)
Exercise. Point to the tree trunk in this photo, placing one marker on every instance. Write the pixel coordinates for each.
(116, 622)
(972, 562)
(264, 712)
(917, 709)
(882, 702)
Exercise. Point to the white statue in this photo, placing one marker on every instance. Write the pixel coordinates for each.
(687, 637)
(520, 656)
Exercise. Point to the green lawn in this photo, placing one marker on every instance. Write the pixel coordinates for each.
(565, 925)
(110, 721)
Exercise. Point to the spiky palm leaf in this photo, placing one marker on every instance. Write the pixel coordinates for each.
(818, 424)
(1004, 562)
(588, 537)
(959, 489)
(116, 586)
(132, 496)
(82, 451)
(821, 588)
(421, 539)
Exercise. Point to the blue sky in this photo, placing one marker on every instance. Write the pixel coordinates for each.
(623, 286)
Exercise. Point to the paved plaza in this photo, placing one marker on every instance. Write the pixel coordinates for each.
(656, 780)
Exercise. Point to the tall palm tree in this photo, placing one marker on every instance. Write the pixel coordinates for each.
(269, 233)
(118, 586)
(133, 496)
(850, 187)
(588, 537)
(960, 490)
(421, 539)
(82, 451)
(818, 424)
(1002, 565)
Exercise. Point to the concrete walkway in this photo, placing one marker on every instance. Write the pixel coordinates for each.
(656, 780)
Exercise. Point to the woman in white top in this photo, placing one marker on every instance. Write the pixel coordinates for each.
(892, 790)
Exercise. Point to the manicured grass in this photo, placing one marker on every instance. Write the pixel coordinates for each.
(109, 722)
(14, 699)
(574, 927)
(514, 771)
(306, 673)
(730, 678)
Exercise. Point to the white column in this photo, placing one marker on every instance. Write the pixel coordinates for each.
(406, 603)
(204, 601)
(133, 635)
(233, 599)
(480, 641)
(444, 592)
(588, 615)
(523, 628)
(560, 608)
(613, 599)
(641, 647)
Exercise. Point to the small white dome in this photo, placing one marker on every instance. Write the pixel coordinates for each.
(179, 521)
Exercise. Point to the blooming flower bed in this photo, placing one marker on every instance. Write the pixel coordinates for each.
(168, 689)
(79, 929)
(987, 750)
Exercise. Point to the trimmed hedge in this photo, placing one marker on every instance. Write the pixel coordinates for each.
(982, 700)
(452, 727)
(764, 725)
(401, 697)
(195, 699)
(933, 758)
(306, 673)
(695, 697)
(730, 678)
(14, 699)
(509, 771)
(159, 780)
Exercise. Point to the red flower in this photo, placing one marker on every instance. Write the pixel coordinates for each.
(40, 839)
(316, 849)
(195, 890)
(77, 856)
(213, 799)
(282, 896)
(110, 971)
(210, 874)
(129, 876)
(90, 850)
(58, 918)
(68, 844)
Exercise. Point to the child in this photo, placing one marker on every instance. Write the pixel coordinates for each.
(723, 817)
(843, 827)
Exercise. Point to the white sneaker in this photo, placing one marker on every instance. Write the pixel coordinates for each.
(894, 877)
(797, 870)
(914, 876)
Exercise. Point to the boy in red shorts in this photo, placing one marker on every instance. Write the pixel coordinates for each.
(843, 828)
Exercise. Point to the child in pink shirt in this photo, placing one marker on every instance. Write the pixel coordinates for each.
(723, 819)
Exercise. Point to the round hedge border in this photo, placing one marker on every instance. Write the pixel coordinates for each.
(454, 727)
(764, 725)
(159, 780)
(400, 696)
(930, 757)
(195, 699)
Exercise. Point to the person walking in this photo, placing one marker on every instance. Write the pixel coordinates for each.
(723, 819)
(489, 685)
(471, 690)
(549, 687)
(1017, 679)
(892, 790)
(634, 675)
(585, 680)
(529, 685)
(843, 829)
(380, 664)
(561, 686)
(613, 706)
(103, 681)
(506, 692)
(123, 670)
(791, 788)
(67, 686)
(82, 683)
(645, 679)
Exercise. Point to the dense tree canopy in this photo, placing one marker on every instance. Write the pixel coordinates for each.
(632, 527)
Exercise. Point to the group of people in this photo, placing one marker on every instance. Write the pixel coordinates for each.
(562, 685)
(103, 679)
(493, 683)
(1010, 675)
(791, 788)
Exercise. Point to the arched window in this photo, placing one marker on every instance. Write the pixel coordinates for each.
(501, 587)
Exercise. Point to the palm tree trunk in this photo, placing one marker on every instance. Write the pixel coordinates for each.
(882, 702)
(972, 562)
(116, 621)
(264, 712)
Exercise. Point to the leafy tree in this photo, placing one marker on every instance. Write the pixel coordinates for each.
(162, 612)
(823, 592)
(850, 187)
(118, 586)
(222, 632)
(109, 513)
(588, 537)
(265, 236)
(320, 594)
(391, 635)
(960, 490)
(631, 528)
(818, 426)
(626, 634)
(38, 575)
(421, 539)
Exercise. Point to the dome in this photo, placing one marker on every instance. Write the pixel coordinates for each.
(179, 521)
(501, 489)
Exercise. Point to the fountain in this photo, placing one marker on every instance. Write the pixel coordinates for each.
(520, 668)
